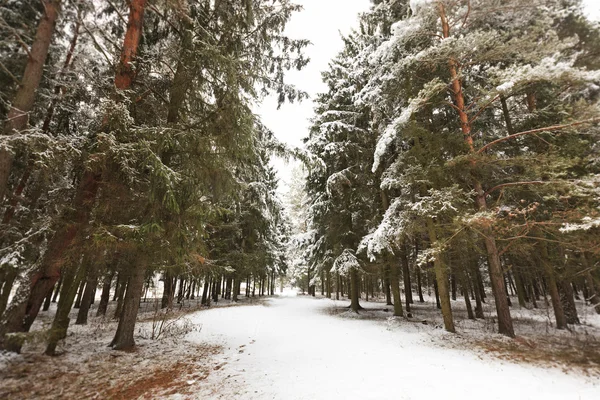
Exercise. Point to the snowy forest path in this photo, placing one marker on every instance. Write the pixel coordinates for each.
(296, 348)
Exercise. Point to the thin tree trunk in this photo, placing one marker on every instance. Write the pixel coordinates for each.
(465, 292)
(10, 275)
(386, 284)
(79, 294)
(478, 300)
(105, 296)
(47, 301)
(441, 274)
(593, 289)
(406, 276)
(86, 300)
(561, 322)
(121, 295)
(57, 289)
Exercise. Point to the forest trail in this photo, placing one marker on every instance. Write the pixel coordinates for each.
(297, 348)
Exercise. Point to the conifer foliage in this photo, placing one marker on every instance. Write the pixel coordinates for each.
(130, 150)
(458, 141)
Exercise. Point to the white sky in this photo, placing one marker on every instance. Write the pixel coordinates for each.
(321, 22)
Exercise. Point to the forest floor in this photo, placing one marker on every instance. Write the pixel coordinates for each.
(299, 347)
(307, 348)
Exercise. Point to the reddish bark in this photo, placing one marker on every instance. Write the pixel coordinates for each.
(505, 325)
(125, 73)
(23, 313)
(59, 90)
(18, 115)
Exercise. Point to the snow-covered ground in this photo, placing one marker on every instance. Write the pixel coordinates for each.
(299, 348)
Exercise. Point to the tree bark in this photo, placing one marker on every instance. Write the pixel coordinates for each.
(505, 325)
(123, 339)
(205, 288)
(79, 294)
(561, 321)
(354, 291)
(386, 284)
(395, 284)
(18, 114)
(568, 302)
(406, 276)
(10, 275)
(60, 324)
(86, 299)
(105, 296)
(441, 274)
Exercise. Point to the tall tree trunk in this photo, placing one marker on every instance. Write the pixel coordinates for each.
(18, 114)
(453, 285)
(386, 284)
(464, 283)
(105, 296)
(593, 288)
(88, 293)
(79, 294)
(47, 301)
(123, 339)
(57, 289)
(24, 312)
(521, 293)
(478, 300)
(60, 324)
(205, 288)
(406, 276)
(395, 284)
(441, 274)
(505, 325)
(168, 295)
(121, 294)
(419, 286)
(9, 278)
(568, 302)
(354, 290)
(561, 321)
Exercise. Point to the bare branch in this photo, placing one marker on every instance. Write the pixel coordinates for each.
(539, 130)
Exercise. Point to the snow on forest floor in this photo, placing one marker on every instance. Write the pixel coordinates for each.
(298, 347)
(86, 368)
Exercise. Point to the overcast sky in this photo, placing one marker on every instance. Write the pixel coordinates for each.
(321, 22)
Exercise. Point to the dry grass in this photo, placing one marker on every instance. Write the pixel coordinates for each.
(147, 372)
(570, 354)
